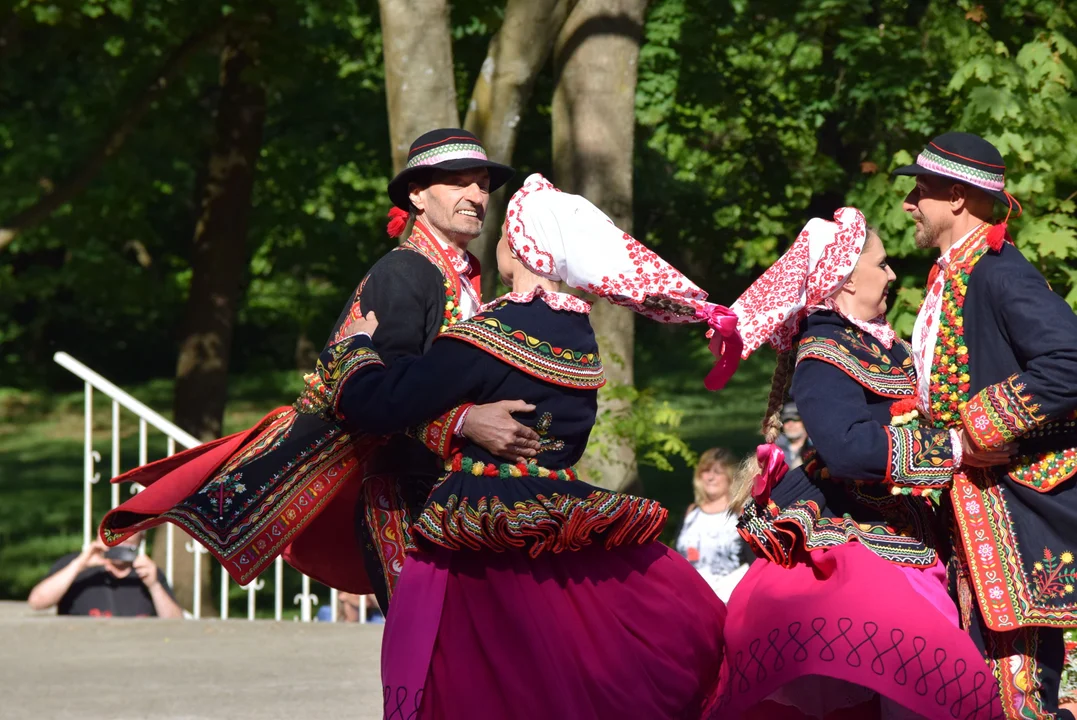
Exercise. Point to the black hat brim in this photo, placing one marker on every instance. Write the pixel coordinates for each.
(398, 186)
(914, 169)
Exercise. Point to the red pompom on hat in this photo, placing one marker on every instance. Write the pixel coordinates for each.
(398, 220)
(999, 235)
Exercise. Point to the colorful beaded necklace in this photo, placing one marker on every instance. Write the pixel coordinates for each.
(949, 389)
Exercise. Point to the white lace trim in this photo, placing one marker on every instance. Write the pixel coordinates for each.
(556, 300)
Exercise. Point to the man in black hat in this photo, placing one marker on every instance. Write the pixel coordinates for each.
(424, 285)
(996, 353)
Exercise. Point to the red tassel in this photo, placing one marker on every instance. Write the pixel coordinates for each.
(398, 220)
(997, 236)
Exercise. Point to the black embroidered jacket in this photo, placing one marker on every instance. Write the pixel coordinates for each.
(1016, 527)
(515, 350)
(868, 479)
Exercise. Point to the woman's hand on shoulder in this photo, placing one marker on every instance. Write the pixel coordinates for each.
(361, 326)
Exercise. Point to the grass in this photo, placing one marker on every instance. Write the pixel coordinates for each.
(41, 450)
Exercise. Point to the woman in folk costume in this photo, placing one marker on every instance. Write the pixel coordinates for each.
(532, 594)
(847, 614)
(298, 485)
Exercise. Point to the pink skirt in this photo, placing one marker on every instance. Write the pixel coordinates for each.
(632, 632)
(847, 635)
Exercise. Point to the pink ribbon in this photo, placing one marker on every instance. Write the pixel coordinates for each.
(725, 344)
(772, 468)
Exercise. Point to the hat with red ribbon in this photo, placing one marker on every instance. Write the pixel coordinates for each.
(970, 160)
(446, 149)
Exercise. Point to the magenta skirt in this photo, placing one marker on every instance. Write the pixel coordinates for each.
(631, 632)
(847, 634)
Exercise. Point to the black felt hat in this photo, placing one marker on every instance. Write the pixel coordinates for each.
(444, 149)
(967, 158)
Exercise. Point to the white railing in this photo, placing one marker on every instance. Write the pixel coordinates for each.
(174, 435)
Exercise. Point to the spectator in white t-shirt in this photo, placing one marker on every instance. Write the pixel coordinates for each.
(709, 537)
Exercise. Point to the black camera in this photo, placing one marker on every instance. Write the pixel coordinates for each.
(122, 553)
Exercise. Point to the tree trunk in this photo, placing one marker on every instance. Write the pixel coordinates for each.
(69, 188)
(220, 254)
(595, 60)
(420, 85)
(502, 91)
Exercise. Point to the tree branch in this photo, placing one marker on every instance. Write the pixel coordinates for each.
(114, 139)
(503, 88)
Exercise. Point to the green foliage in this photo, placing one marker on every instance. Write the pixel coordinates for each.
(758, 115)
(637, 418)
(753, 115)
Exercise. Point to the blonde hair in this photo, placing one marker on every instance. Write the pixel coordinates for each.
(715, 456)
(772, 428)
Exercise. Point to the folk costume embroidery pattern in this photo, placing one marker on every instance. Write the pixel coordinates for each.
(1012, 660)
(245, 529)
(1045, 471)
(609, 263)
(561, 366)
(388, 525)
(1005, 593)
(801, 282)
(863, 361)
(904, 536)
(556, 300)
(1053, 577)
(918, 459)
(437, 434)
(1000, 413)
(547, 443)
(949, 372)
(554, 522)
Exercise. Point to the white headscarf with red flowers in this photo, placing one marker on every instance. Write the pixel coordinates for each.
(563, 237)
(804, 281)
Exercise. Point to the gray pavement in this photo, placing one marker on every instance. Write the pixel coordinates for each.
(127, 669)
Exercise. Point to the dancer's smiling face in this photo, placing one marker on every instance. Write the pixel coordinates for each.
(454, 203)
(863, 296)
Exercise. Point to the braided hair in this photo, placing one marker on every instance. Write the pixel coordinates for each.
(772, 428)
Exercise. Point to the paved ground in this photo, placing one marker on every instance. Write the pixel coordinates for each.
(93, 669)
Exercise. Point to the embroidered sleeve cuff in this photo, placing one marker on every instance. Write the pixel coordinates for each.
(441, 436)
(1000, 413)
(920, 458)
(336, 364)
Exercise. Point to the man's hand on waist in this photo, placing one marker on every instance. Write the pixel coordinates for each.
(493, 428)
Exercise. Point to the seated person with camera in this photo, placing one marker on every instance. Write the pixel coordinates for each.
(107, 582)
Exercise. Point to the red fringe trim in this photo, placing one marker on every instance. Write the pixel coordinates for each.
(557, 524)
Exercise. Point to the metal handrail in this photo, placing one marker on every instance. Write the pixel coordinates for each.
(146, 416)
(138, 408)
